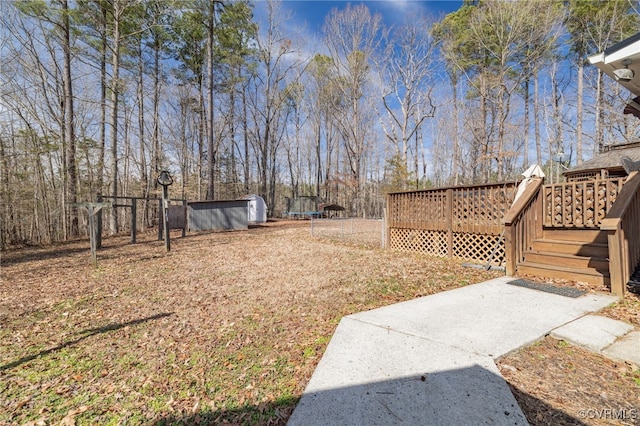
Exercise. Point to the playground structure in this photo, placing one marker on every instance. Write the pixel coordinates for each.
(310, 207)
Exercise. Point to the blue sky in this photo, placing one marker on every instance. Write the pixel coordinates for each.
(313, 12)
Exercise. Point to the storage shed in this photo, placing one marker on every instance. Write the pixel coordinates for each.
(256, 209)
(217, 215)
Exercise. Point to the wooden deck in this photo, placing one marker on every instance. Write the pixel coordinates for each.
(585, 231)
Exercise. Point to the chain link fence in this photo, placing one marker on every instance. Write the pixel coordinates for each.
(354, 230)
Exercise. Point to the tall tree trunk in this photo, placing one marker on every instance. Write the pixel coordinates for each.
(69, 133)
(155, 143)
(141, 121)
(103, 105)
(202, 132)
(245, 135)
(536, 118)
(456, 130)
(579, 108)
(232, 145)
(318, 142)
(7, 224)
(484, 134)
(115, 92)
(557, 119)
(210, 138)
(599, 128)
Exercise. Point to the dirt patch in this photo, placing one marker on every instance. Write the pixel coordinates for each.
(556, 383)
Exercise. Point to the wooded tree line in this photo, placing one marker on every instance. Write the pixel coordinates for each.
(99, 96)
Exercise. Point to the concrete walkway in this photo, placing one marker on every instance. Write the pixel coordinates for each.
(430, 361)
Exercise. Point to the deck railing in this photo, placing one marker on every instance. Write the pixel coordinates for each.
(460, 222)
(522, 225)
(579, 204)
(623, 227)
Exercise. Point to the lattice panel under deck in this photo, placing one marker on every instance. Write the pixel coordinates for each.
(477, 247)
(433, 243)
(472, 247)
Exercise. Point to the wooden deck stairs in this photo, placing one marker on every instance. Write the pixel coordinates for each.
(585, 231)
(575, 254)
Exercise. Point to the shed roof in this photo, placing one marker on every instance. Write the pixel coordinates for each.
(331, 207)
(252, 197)
(611, 158)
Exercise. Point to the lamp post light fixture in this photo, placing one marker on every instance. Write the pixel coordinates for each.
(165, 180)
(624, 74)
(559, 158)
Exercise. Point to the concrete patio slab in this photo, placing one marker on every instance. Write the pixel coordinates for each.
(625, 349)
(431, 360)
(593, 332)
(490, 318)
(375, 376)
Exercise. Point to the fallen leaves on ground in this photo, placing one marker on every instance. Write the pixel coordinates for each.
(227, 327)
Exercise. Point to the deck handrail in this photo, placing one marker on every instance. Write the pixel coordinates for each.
(522, 225)
(623, 226)
(469, 209)
(581, 204)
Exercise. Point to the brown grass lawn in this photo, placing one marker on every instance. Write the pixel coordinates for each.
(228, 327)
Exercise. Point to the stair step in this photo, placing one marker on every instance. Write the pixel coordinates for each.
(571, 247)
(583, 235)
(587, 275)
(569, 260)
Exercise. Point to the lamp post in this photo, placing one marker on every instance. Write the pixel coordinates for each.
(559, 158)
(165, 180)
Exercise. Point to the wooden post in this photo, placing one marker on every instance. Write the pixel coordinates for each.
(450, 223)
(133, 220)
(99, 223)
(160, 221)
(186, 218)
(92, 236)
(93, 209)
(384, 230)
(386, 221)
(616, 261)
(165, 216)
(510, 249)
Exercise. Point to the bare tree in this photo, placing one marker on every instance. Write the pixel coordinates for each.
(120, 31)
(322, 97)
(406, 70)
(279, 66)
(353, 37)
(504, 30)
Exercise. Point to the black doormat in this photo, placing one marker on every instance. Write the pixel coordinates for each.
(562, 291)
